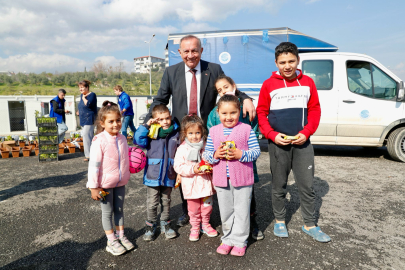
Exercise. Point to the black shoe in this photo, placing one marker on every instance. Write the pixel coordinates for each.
(183, 220)
(150, 231)
(257, 234)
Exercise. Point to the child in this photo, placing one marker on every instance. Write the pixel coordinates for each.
(196, 185)
(289, 105)
(109, 172)
(225, 85)
(233, 173)
(159, 175)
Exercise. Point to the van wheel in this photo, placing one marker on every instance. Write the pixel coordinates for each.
(396, 144)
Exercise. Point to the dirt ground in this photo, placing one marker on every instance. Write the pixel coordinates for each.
(48, 220)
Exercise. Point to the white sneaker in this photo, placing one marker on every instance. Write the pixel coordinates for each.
(115, 248)
(126, 243)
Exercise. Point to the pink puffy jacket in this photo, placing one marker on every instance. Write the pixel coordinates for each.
(193, 185)
(109, 161)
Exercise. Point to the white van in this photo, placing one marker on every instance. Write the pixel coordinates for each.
(362, 102)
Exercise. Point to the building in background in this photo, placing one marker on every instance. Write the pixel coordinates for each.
(141, 64)
(17, 113)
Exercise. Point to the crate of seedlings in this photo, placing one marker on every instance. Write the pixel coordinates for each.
(48, 131)
(49, 149)
(48, 157)
(46, 121)
(48, 140)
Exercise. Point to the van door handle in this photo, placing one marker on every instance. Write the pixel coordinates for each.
(349, 101)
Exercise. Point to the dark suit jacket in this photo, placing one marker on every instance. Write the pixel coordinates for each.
(173, 84)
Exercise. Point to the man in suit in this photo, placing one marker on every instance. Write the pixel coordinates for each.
(191, 86)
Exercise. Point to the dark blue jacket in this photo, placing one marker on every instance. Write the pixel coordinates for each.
(159, 169)
(88, 113)
(124, 101)
(52, 113)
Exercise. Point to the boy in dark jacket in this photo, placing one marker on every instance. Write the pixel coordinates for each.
(289, 106)
(159, 175)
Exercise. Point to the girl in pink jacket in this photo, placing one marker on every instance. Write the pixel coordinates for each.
(196, 185)
(108, 175)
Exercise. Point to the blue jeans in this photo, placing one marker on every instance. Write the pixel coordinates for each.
(128, 121)
(62, 128)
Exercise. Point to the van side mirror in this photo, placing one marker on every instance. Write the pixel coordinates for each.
(401, 92)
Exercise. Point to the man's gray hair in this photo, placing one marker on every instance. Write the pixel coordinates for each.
(191, 37)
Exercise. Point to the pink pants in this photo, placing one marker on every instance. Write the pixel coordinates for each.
(199, 211)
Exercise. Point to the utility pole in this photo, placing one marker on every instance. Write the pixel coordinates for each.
(150, 67)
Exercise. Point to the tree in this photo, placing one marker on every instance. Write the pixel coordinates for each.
(22, 78)
(99, 67)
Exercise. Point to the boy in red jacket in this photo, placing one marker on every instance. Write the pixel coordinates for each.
(289, 106)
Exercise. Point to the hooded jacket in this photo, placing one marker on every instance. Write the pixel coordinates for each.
(288, 106)
(160, 154)
(109, 161)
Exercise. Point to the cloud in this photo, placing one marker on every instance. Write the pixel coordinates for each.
(34, 62)
(312, 1)
(400, 65)
(37, 63)
(48, 26)
(197, 27)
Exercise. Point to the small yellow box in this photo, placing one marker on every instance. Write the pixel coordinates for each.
(292, 138)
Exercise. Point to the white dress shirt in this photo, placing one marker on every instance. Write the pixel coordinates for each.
(189, 77)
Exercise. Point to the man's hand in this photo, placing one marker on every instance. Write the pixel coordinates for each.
(234, 154)
(77, 113)
(279, 140)
(250, 108)
(220, 153)
(301, 139)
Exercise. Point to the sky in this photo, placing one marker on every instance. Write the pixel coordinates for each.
(50, 35)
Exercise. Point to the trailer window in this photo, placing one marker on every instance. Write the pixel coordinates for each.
(321, 71)
(368, 80)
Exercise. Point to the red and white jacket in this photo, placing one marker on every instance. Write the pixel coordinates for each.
(288, 107)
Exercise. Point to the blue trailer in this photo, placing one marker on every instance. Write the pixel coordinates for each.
(247, 56)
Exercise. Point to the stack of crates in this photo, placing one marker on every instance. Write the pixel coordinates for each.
(47, 139)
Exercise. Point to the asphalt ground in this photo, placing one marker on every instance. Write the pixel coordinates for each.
(49, 221)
